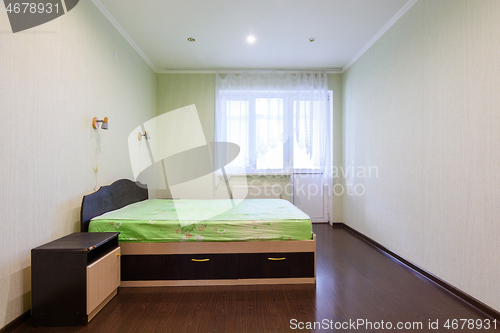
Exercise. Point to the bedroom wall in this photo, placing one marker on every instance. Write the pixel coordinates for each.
(53, 80)
(335, 84)
(178, 90)
(422, 105)
(175, 91)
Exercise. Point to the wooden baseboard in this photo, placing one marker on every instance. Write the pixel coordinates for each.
(228, 282)
(443, 284)
(16, 323)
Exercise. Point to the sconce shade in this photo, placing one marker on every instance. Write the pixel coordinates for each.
(104, 122)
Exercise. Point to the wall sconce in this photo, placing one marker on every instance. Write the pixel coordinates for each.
(145, 135)
(104, 123)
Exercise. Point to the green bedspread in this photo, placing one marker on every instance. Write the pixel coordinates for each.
(157, 220)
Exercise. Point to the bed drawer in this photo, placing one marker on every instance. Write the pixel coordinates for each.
(179, 267)
(200, 266)
(141, 267)
(276, 265)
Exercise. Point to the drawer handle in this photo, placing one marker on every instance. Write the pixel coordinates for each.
(276, 259)
(118, 255)
(200, 260)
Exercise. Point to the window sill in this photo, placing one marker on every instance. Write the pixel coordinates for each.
(268, 174)
(275, 174)
(262, 174)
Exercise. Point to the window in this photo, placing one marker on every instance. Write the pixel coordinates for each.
(280, 120)
(276, 133)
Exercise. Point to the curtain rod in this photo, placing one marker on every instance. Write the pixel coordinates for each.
(240, 70)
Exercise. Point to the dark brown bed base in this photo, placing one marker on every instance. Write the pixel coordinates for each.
(203, 263)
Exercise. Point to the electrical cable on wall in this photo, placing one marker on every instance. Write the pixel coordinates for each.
(97, 156)
(104, 125)
(140, 159)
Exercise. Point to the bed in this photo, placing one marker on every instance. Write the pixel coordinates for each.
(243, 246)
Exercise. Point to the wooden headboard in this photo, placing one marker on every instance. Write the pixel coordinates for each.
(117, 195)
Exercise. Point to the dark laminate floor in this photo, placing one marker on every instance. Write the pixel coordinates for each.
(354, 281)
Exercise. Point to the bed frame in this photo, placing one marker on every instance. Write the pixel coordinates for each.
(200, 263)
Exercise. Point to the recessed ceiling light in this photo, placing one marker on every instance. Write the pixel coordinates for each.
(312, 39)
(251, 39)
(191, 39)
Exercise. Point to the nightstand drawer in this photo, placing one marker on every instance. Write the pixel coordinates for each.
(276, 265)
(103, 277)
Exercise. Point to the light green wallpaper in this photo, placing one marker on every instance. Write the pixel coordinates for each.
(175, 91)
(53, 80)
(422, 105)
(178, 90)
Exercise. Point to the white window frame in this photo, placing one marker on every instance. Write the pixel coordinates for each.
(288, 146)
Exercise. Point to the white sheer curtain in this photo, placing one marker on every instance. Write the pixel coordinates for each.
(280, 120)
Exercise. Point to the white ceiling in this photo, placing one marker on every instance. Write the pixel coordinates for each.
(343, 29)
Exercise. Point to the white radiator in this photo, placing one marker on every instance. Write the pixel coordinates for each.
(256, 191)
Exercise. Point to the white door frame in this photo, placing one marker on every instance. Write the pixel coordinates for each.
(327, 197)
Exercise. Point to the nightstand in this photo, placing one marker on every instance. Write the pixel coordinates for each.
(73, 278)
